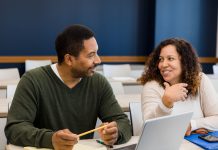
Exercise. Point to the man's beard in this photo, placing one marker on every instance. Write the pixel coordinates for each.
(83, 73)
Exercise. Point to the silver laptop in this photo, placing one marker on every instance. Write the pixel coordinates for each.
(163, 133)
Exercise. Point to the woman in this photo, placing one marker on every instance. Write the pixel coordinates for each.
(174, 83)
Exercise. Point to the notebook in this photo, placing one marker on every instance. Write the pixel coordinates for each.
(78, 146)
(165, 133)
(206, 145)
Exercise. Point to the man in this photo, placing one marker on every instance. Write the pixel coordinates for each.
(53, 104)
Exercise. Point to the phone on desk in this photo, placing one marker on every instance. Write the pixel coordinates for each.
(208, 138)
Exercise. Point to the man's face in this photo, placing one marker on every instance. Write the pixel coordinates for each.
(84, 65)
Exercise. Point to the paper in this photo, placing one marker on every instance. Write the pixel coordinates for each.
(34, 148)
(76, 147)
(88, 147)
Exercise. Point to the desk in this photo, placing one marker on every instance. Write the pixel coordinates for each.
(124, 80)
(212, 76)
(124, 100)
(130, 84)
(186, 145)
(4, 105)
(3, 84)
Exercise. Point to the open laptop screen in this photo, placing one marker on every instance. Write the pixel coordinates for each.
(165, 133)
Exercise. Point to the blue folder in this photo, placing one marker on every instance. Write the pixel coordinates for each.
(204, 144)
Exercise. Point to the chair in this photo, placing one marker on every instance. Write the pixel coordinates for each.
(11, 90)
(136, 117)
(117, 87)
(3, 140)
(123, 70)
(9, 74)
(215, 69)
(214, 83)
(31, 64)
(136, 73)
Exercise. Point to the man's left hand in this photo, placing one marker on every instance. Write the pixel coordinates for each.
(109, 134)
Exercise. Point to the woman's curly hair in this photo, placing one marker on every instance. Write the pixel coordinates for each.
(189, 63)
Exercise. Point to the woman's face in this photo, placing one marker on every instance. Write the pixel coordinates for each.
(170, 64)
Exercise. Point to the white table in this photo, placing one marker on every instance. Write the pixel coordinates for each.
(3, 86)
(125, 80)
(186, 145)
(212, 76)
(4, 106)
(125, 99)
(4, 83)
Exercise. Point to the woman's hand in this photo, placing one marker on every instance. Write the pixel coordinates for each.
(198, 131)
(174, 93)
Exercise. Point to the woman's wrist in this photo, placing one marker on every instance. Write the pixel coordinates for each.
(167, 102)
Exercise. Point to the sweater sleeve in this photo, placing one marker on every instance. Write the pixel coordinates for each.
(19, 129)
(209, 105)
(151, 100)
(110, 110)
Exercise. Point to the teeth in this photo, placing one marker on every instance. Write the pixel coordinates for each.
(166, 72)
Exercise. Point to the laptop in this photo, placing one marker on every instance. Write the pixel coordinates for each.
(163, 133)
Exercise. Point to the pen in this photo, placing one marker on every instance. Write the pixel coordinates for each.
(93, 130)
(101, 142)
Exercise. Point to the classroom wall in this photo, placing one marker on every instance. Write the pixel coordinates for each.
(193, 20)
(30, 27)
(122, 27)
(217, 37)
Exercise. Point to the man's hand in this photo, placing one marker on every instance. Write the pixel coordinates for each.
(64, 140)
(109, 134)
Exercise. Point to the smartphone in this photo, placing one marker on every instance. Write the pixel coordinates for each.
(208, 138)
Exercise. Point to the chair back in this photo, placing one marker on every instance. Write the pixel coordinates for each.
(3, 140)
(11, 88)
(123, 70)
(214, 82)
(9, 74)
(31, 64)
(215, 69)
(117, 87)
(136, 117)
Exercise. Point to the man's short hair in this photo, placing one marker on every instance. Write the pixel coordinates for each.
(71, 40)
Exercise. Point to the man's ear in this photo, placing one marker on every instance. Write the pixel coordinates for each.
(69, 59)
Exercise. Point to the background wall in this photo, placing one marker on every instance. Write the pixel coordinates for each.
(217, 37)
(193, 20)
(30, 27)
(122, 27)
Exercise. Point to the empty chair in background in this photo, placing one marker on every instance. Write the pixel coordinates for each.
(9, 74)
(123, 70)
(137, 70)
(117, 87)
(215, 69)
(31, 64)
(214, 81)
(136, 73)
(136, 117)
(11, 90)
(3, 140)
